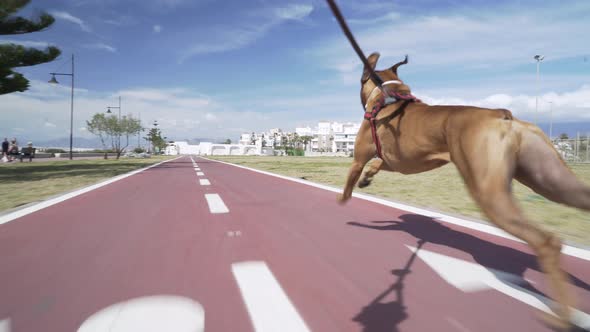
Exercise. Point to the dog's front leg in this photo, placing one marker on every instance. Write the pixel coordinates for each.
(353, 176)
(364, 150)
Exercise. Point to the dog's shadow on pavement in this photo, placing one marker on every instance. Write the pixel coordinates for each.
(385, 317)
(379, 316)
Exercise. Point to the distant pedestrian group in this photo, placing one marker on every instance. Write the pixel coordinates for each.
(10, 150)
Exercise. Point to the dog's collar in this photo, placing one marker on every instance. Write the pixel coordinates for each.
(391, 97)
(388, 99)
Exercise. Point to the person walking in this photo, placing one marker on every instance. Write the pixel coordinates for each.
(5, 150)
(13, 150)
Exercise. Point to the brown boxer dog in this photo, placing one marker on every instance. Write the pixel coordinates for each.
(489, 147)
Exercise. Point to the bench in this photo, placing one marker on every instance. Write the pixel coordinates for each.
(27, 152)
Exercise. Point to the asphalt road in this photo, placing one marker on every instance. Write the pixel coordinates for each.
(192, 246)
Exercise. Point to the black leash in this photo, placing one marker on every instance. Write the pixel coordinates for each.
(376, 79)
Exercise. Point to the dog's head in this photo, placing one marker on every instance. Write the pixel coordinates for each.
(388, 76)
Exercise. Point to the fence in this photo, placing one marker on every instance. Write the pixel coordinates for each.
(573, 150)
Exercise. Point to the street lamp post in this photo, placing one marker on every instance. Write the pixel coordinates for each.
(550, 120)
(119, 107)
(539, 58)
(54, 81)
(119, 133)
(139, 132)
(155, 127)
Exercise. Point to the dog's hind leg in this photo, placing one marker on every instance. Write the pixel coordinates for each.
(541, 168)
(374, 168)
(487, 160)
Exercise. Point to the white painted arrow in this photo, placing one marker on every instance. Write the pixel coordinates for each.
(470, 277)
(5, 325)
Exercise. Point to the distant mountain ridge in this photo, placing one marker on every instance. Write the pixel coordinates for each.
(94, 143)
(78, 142)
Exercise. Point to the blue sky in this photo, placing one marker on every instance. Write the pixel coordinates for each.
(206, 68)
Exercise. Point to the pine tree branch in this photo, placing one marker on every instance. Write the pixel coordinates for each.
(12, 55)
(9, 7)
(20, 25)
(12, 82)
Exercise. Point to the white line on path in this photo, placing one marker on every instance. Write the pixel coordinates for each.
(33, 208)
(568, 250)
(269, 307)
(200, 174)
(5, 325)
(216, 204)
(204, 182)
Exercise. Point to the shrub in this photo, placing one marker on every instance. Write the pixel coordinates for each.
(101, 151)
(55, 151)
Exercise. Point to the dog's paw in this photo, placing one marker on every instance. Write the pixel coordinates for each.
(341, 199)
(364, 183)
(557, 324)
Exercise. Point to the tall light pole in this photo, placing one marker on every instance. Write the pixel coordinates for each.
(550, 120)
(119, 133)
(119, 107)
(139, 132)
(539, 58)
(54, 81)
(155, 131)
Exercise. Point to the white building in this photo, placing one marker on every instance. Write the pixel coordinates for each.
(328, 137)
(344, 137)
(304, 131)
(246, 139)
(214, 149)
(334, 137)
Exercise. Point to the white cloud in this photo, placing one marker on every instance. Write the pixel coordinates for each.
(210, 117)
(183, 113)
(486, 39)
(113, 22)
(368, 6)
(157, 28)
(124, 20)
(101, 46)
(294, 11)
(171, 3)
(568, 106)
(383, 19)
(70, 18)
(235, 37)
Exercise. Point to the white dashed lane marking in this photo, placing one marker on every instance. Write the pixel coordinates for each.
(268, 305)
(200, 174)
(204, 182)
(216, 204)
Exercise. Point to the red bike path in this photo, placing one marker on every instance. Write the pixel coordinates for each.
(344, 268)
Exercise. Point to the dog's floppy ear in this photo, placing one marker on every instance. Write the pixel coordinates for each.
(373, 62)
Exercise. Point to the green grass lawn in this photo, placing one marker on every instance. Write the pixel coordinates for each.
(441, 189)
(23, 183)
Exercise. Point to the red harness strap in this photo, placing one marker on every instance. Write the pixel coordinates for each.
(373, 115)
